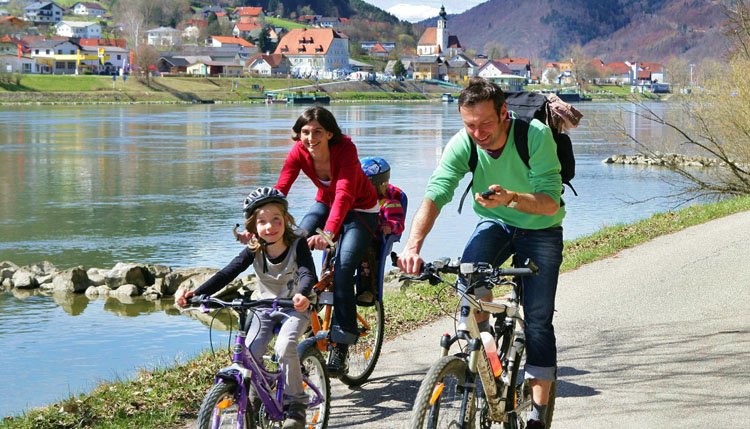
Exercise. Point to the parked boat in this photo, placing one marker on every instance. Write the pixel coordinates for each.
(447, 98)
(307, 99)
(572, 96)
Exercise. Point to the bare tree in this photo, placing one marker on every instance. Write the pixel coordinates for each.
(717, 119)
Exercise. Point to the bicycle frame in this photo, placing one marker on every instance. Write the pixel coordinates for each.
(245, 368)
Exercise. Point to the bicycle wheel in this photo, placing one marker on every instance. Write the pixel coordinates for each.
(364, 355)
(220, 408)
(314, 368)
(443, 400)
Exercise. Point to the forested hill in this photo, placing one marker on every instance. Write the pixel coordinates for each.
(613, 30)
(336, 8)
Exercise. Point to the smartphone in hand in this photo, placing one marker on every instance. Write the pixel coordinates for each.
(486, 194)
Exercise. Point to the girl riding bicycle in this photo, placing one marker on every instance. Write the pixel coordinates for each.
(284, 268)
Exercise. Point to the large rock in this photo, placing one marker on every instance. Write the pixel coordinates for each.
(24, 279)
(159, 271)
(7, 269)
(127, 290)
(96, 276)
(186, 278)
(71, 280)
(40, 269)
(126, 273)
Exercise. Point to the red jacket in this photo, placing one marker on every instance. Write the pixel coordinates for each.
(349, 188)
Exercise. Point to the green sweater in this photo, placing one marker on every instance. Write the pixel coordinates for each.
(508, 171)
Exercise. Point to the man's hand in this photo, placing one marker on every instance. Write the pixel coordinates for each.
(498, 197)
(301, 303)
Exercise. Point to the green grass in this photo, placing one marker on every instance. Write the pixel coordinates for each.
(166, 398)
(284, 23)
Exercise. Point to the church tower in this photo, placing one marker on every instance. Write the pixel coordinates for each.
(442, 30)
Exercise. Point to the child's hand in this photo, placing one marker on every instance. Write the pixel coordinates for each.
(301, 303)
(386, 229)
(181, 297)
(244, 237)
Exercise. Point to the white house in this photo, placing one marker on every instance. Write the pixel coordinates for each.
(164, 36)
(55, 56)
(315, 51)
(89, 9)
(268, 65)
(43, 12)
(13, 64)
(79, 29)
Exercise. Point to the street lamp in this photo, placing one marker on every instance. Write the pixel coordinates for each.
(691, 74)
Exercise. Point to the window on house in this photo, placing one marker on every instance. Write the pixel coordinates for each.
(60, 66)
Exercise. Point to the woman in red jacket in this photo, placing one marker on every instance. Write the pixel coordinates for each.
(345, 208)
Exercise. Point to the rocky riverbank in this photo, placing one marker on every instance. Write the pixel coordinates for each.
(151, 282)
(664, 160)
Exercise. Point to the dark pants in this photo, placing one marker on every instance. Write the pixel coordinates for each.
(494, 242)
(354, 237)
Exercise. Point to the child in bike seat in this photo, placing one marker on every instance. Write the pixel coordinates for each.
(391, 219)
(284, 268)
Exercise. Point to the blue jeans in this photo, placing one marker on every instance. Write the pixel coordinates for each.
(494, 242)
(354, 237)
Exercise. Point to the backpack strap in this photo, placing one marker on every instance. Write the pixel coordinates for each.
(473, 159)
(521, 138)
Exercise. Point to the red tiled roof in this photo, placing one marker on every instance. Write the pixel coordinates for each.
(514, 60)
(618, 67)
(229, 40)
(272, 59)
(307, 41)
(120, 43)
(246, 26)
(249, 11)
(378, 49)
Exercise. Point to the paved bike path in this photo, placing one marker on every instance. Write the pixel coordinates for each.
(654, 337)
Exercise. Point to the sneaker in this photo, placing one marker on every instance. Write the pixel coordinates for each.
(535, 424)
(295, 417)
(294, 423)
(337, 360)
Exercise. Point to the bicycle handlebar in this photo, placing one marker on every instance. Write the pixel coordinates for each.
(325, 237)
(431, 270)
(240, 303)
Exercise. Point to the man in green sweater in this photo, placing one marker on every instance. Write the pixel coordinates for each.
(522, 216)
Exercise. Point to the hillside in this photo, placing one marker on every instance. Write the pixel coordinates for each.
(613, 30)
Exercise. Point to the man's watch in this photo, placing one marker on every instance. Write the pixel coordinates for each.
(513, 201)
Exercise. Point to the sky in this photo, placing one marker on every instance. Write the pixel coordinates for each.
(417, 10)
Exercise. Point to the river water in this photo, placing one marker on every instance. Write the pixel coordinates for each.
(164, 184)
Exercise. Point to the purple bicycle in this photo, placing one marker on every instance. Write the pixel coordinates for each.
(228, 405)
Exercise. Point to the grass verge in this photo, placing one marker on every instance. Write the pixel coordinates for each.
(168, 397)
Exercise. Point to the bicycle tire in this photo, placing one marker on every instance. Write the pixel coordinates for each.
(364, 355)
(443, 409)
(211, 416)
(314, 368)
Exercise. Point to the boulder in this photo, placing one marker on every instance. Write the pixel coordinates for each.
(41, 268)
(96, 276)
(71, 280)
(126, 290)
(159, 271)
(126, 273)
(7, 269)
(24, 279)
(186, 278)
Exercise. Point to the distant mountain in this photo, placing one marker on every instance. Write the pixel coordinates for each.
(613, 30)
